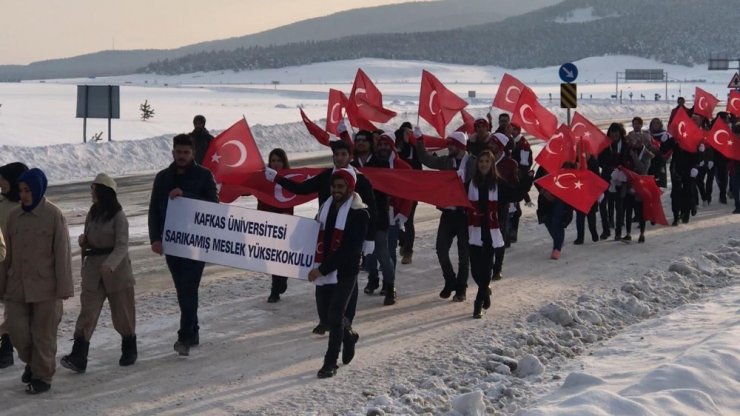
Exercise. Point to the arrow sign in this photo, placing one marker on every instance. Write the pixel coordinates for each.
(568, 72)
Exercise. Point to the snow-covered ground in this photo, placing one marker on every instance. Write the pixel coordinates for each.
(611, 328)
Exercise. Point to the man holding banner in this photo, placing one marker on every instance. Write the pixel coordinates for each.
(344, 221)
(183, 178)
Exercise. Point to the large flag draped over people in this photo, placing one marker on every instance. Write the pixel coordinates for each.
(365, 104)
(437, 104)
(685, 131)
(533, 117)
(233, 154)
(721, 138)
(704, 103)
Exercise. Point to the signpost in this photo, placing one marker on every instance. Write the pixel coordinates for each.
(98, 101)
(642, 75)
(568, 73)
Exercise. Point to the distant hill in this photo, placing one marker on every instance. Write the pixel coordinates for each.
(670, 31)
(396, 18)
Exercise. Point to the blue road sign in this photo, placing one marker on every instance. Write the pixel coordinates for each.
(568, 72)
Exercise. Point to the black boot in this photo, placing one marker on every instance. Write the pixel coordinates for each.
(36, 386)
(77, 360)
(27, 375)
(460, 294)
(128, 351)
(274, 296)
(373, 283)
(384, 289)
(390, 295)
(348, 345)
(329, 369)
(6, 351)
(447, 290)
(478, 309)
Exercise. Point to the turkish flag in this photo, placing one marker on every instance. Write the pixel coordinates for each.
(431, 143)
(720, 137)
(685, 131)
(320, 134)
(468, 125)
(508, 93)
(366, 102)
(704, 103)
(733, 103)
(648, 191)
(437, 104)
(273, 194)
(228, 193)
(337, 103)
(558, 150)
(440, 188)
(233, 154)
(596, 140)
(576, 187)
(533, 117)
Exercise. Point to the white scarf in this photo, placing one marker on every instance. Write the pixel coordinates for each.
(475, 232)
(339, 225)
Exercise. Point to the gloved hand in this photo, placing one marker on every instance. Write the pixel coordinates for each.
(601, 198)
(270, 174)
(368, 247)
(710, 164)
(341, 127)
(702, 147)
(694, 172)
(701, 164)
(400, 219)
(664, 138)
(417, 132)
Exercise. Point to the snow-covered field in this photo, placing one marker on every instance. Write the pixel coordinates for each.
(610, 329)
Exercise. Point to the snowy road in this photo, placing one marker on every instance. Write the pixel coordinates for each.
(259, 358)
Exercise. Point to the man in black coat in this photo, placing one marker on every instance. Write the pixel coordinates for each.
(202, 138)
(183, 178)
(344, 221)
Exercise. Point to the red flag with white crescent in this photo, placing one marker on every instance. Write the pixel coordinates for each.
(721, 138)
(337, 103)
(576, 187)
(508, 93)
(468, 125)
(733, 103)
(273, 194)
(648, 191)
(437, 104)
(560, 148)
(596, 140)
(685, 131)
(366, 102)
(704, 103)
(320, 134)
(533, 117)
(233, 154)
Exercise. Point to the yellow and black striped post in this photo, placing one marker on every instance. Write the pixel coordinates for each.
(568, 95)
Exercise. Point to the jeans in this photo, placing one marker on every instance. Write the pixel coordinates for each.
(453, 224)
(554, 224)
(408, 236)
(186, 275)
(384, 255)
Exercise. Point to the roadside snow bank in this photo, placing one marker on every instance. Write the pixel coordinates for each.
(506, 370)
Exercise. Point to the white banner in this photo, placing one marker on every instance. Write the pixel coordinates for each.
(278, 244)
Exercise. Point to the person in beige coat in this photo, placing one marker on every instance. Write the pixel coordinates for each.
(39, 277)
(106, 274)
(9, 201)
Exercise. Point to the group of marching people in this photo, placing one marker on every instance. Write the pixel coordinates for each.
(360, 227)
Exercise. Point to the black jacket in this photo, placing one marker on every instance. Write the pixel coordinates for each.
(610, 158)
(382, 201)
(346, 260)
(196, 182)
(202, 139)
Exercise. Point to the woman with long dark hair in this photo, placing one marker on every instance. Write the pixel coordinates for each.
(484, 232)
(612, 157)
(106, 274)
(276, 160)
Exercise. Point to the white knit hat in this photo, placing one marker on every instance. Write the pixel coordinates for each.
(105, 180)
(501, 138)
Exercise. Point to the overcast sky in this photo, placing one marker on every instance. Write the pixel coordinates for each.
(34, 30)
